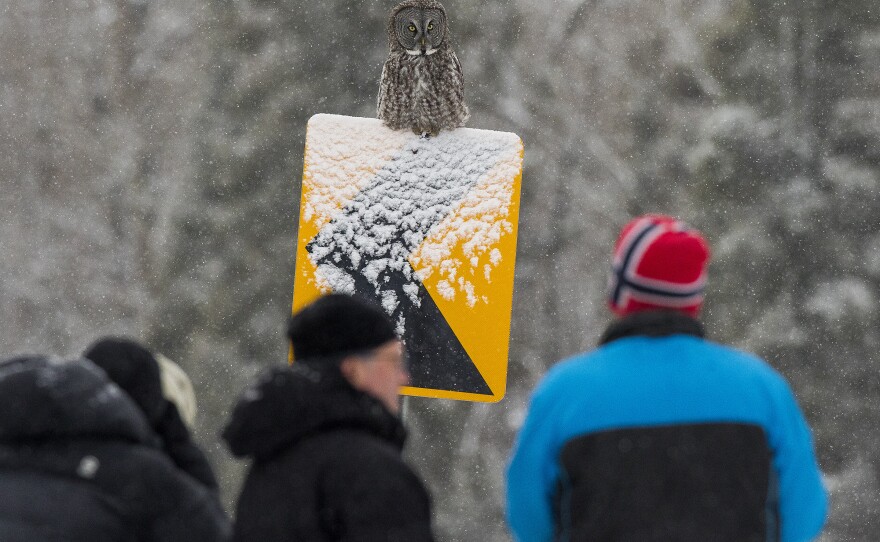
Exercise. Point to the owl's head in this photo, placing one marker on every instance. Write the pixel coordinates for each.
(418, 26)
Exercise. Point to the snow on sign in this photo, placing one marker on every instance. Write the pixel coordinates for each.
(427, 229)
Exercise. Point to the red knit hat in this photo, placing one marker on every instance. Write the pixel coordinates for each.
(659, 263)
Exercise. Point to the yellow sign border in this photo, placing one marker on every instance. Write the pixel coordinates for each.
(460, 318)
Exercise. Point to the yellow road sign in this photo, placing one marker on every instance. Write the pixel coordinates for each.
(424, 227)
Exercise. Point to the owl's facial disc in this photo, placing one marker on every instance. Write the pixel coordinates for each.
(420, 32)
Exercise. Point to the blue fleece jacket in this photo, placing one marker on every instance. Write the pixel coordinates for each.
(639, 381)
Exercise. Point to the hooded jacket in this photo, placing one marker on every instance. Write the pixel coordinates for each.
(140, 374)
(327, 463)
(661, 435)
(79, 463)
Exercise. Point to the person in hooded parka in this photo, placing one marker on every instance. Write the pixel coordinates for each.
(79, 463)
(325, 437)
(143, 376)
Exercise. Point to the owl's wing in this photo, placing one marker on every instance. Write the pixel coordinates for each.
(456, 65)
(382, 84)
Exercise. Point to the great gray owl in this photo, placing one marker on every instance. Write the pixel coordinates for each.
(422, 87)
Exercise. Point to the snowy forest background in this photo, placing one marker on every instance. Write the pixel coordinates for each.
(151, 153)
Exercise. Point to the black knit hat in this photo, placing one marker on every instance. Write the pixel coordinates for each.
(134, 369)
(336, 325)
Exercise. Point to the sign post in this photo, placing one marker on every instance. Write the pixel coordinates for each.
(426, 228)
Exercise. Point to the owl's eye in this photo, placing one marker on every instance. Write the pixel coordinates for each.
(412, 28)
(430, 26)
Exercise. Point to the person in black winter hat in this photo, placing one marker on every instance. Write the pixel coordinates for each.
(325, 438)
(79, 463)
(134, 369)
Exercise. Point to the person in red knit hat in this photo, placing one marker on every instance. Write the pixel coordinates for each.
(660, 434)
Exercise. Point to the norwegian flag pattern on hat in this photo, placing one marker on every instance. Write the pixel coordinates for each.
(659, 263)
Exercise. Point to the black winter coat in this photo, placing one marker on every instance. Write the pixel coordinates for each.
(78, 463)
(327, 464)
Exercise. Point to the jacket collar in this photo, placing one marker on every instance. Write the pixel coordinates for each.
(289, 404)
(659, 323)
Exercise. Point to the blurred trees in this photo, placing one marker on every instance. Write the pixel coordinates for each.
(152, 151)
(776, 164)
(95, 163)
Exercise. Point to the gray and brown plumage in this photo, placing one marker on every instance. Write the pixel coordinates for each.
(422, 86)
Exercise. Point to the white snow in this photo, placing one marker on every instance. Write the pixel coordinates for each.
(390, 202)
(446, 290)
(88, 467)
(389, 301)
(336, 279)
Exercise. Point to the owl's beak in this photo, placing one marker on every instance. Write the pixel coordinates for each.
(423, 45)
